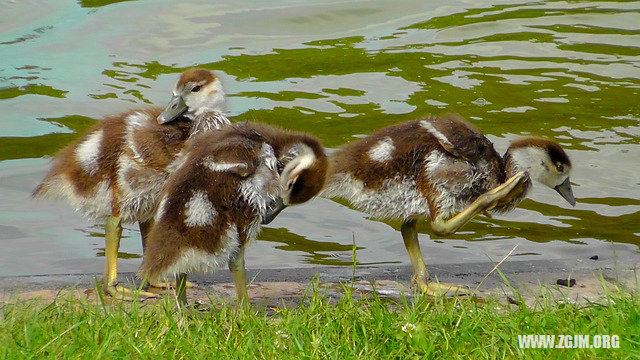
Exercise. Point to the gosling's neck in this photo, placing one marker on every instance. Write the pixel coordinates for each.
(513, 164)
(209, 119)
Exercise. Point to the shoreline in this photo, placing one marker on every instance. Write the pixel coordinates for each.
(274, 286)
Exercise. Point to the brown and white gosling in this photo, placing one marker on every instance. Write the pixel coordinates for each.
(444, 169)
(116, 171)
(213, 204)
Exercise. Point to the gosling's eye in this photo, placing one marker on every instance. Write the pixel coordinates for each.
(560, 168)
(196, 88)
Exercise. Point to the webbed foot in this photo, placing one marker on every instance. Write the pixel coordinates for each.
(169, 284)
(122, 293)
(506, 191)
(436, 289)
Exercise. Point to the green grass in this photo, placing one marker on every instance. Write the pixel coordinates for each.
(319, 328)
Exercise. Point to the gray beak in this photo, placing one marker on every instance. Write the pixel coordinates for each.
(273, 211)
(175, 108)
(565, 191)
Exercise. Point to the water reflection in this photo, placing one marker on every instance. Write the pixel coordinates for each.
(317, 252)
(36, 34)
(544, 94)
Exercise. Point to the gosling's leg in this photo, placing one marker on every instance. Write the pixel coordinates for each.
(238, 273)
(486, 201)
(410, 237)
(145, 227)
(113, 232)
(110, 280)
(420, 273)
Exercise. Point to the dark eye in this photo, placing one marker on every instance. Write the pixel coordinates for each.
(297, 188)
(196, 88)
(560, 168)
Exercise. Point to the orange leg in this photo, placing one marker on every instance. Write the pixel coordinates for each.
(113, 232)
(420, 273)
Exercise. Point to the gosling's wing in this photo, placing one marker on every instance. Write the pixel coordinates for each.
(457, 136)
(150, 144)
(231, 154)
(242, 167)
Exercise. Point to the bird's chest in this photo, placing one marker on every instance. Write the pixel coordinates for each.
(462, 179)
(457, 183)
(259, 190)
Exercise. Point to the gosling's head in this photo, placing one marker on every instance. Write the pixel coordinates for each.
(197, 91)
(546, 162)
(303, 176)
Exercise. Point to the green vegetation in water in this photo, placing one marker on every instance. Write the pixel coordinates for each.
(575, 108)
(49, 144)
(320, 328)
(12, 92)
(98, 3)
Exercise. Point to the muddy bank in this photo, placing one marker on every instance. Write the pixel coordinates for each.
(273, 287)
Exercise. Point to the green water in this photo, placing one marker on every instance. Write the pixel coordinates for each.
(565, 70)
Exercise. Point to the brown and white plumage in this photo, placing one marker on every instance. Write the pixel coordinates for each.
(213, 204)
(439, 167)
(116, 171)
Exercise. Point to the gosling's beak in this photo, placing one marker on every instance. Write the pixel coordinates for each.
(175, 108)
(564, 189)
(273, 211)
